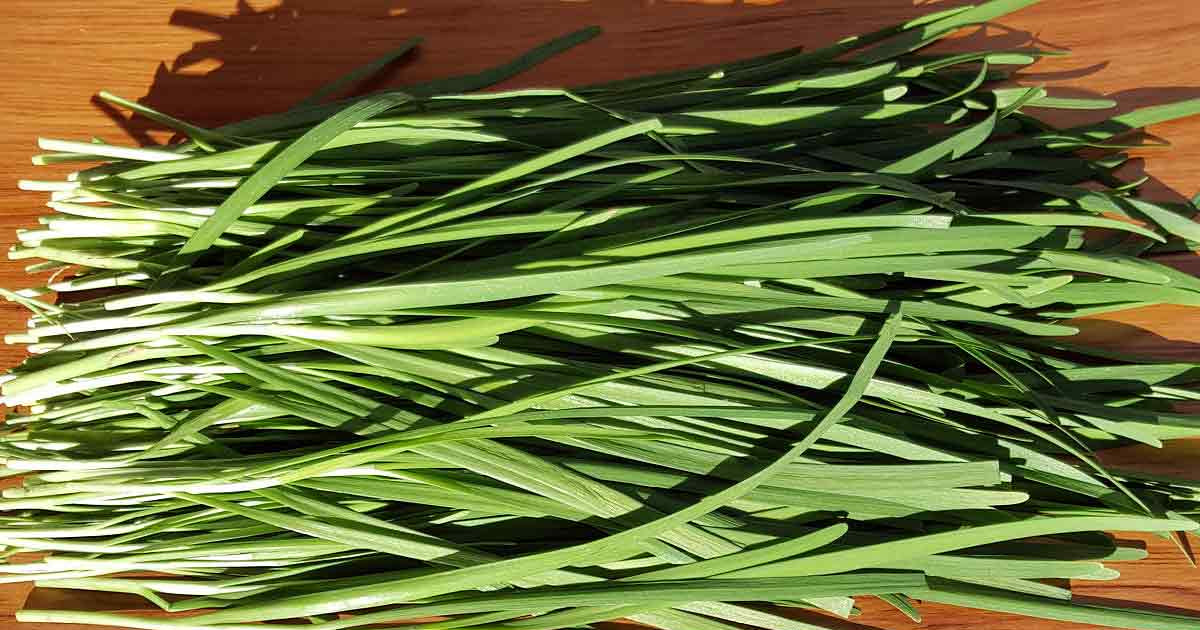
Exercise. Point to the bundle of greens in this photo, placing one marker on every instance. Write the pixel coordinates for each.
(695, 350)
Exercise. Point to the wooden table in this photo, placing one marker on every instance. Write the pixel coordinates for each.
(211, 61)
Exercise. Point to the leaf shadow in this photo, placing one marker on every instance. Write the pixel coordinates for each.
(251, 61)
(1092, 600)
(1110, 334)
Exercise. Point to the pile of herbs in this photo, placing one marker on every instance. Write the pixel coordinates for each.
(690, 349)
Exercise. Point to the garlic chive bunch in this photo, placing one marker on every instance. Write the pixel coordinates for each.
(694, 349)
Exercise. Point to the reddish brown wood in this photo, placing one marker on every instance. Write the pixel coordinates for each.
(214, 61)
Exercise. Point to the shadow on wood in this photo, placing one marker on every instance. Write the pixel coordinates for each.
(259, 60)
(253, 61)
(1134, 332)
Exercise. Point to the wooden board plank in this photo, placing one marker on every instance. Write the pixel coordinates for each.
(214, 61)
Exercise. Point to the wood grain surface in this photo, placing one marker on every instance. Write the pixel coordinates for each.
(215, 61)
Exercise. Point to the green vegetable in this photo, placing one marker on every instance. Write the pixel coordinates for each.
(785, 331)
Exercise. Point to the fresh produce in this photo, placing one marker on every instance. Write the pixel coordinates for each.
(695, 350)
